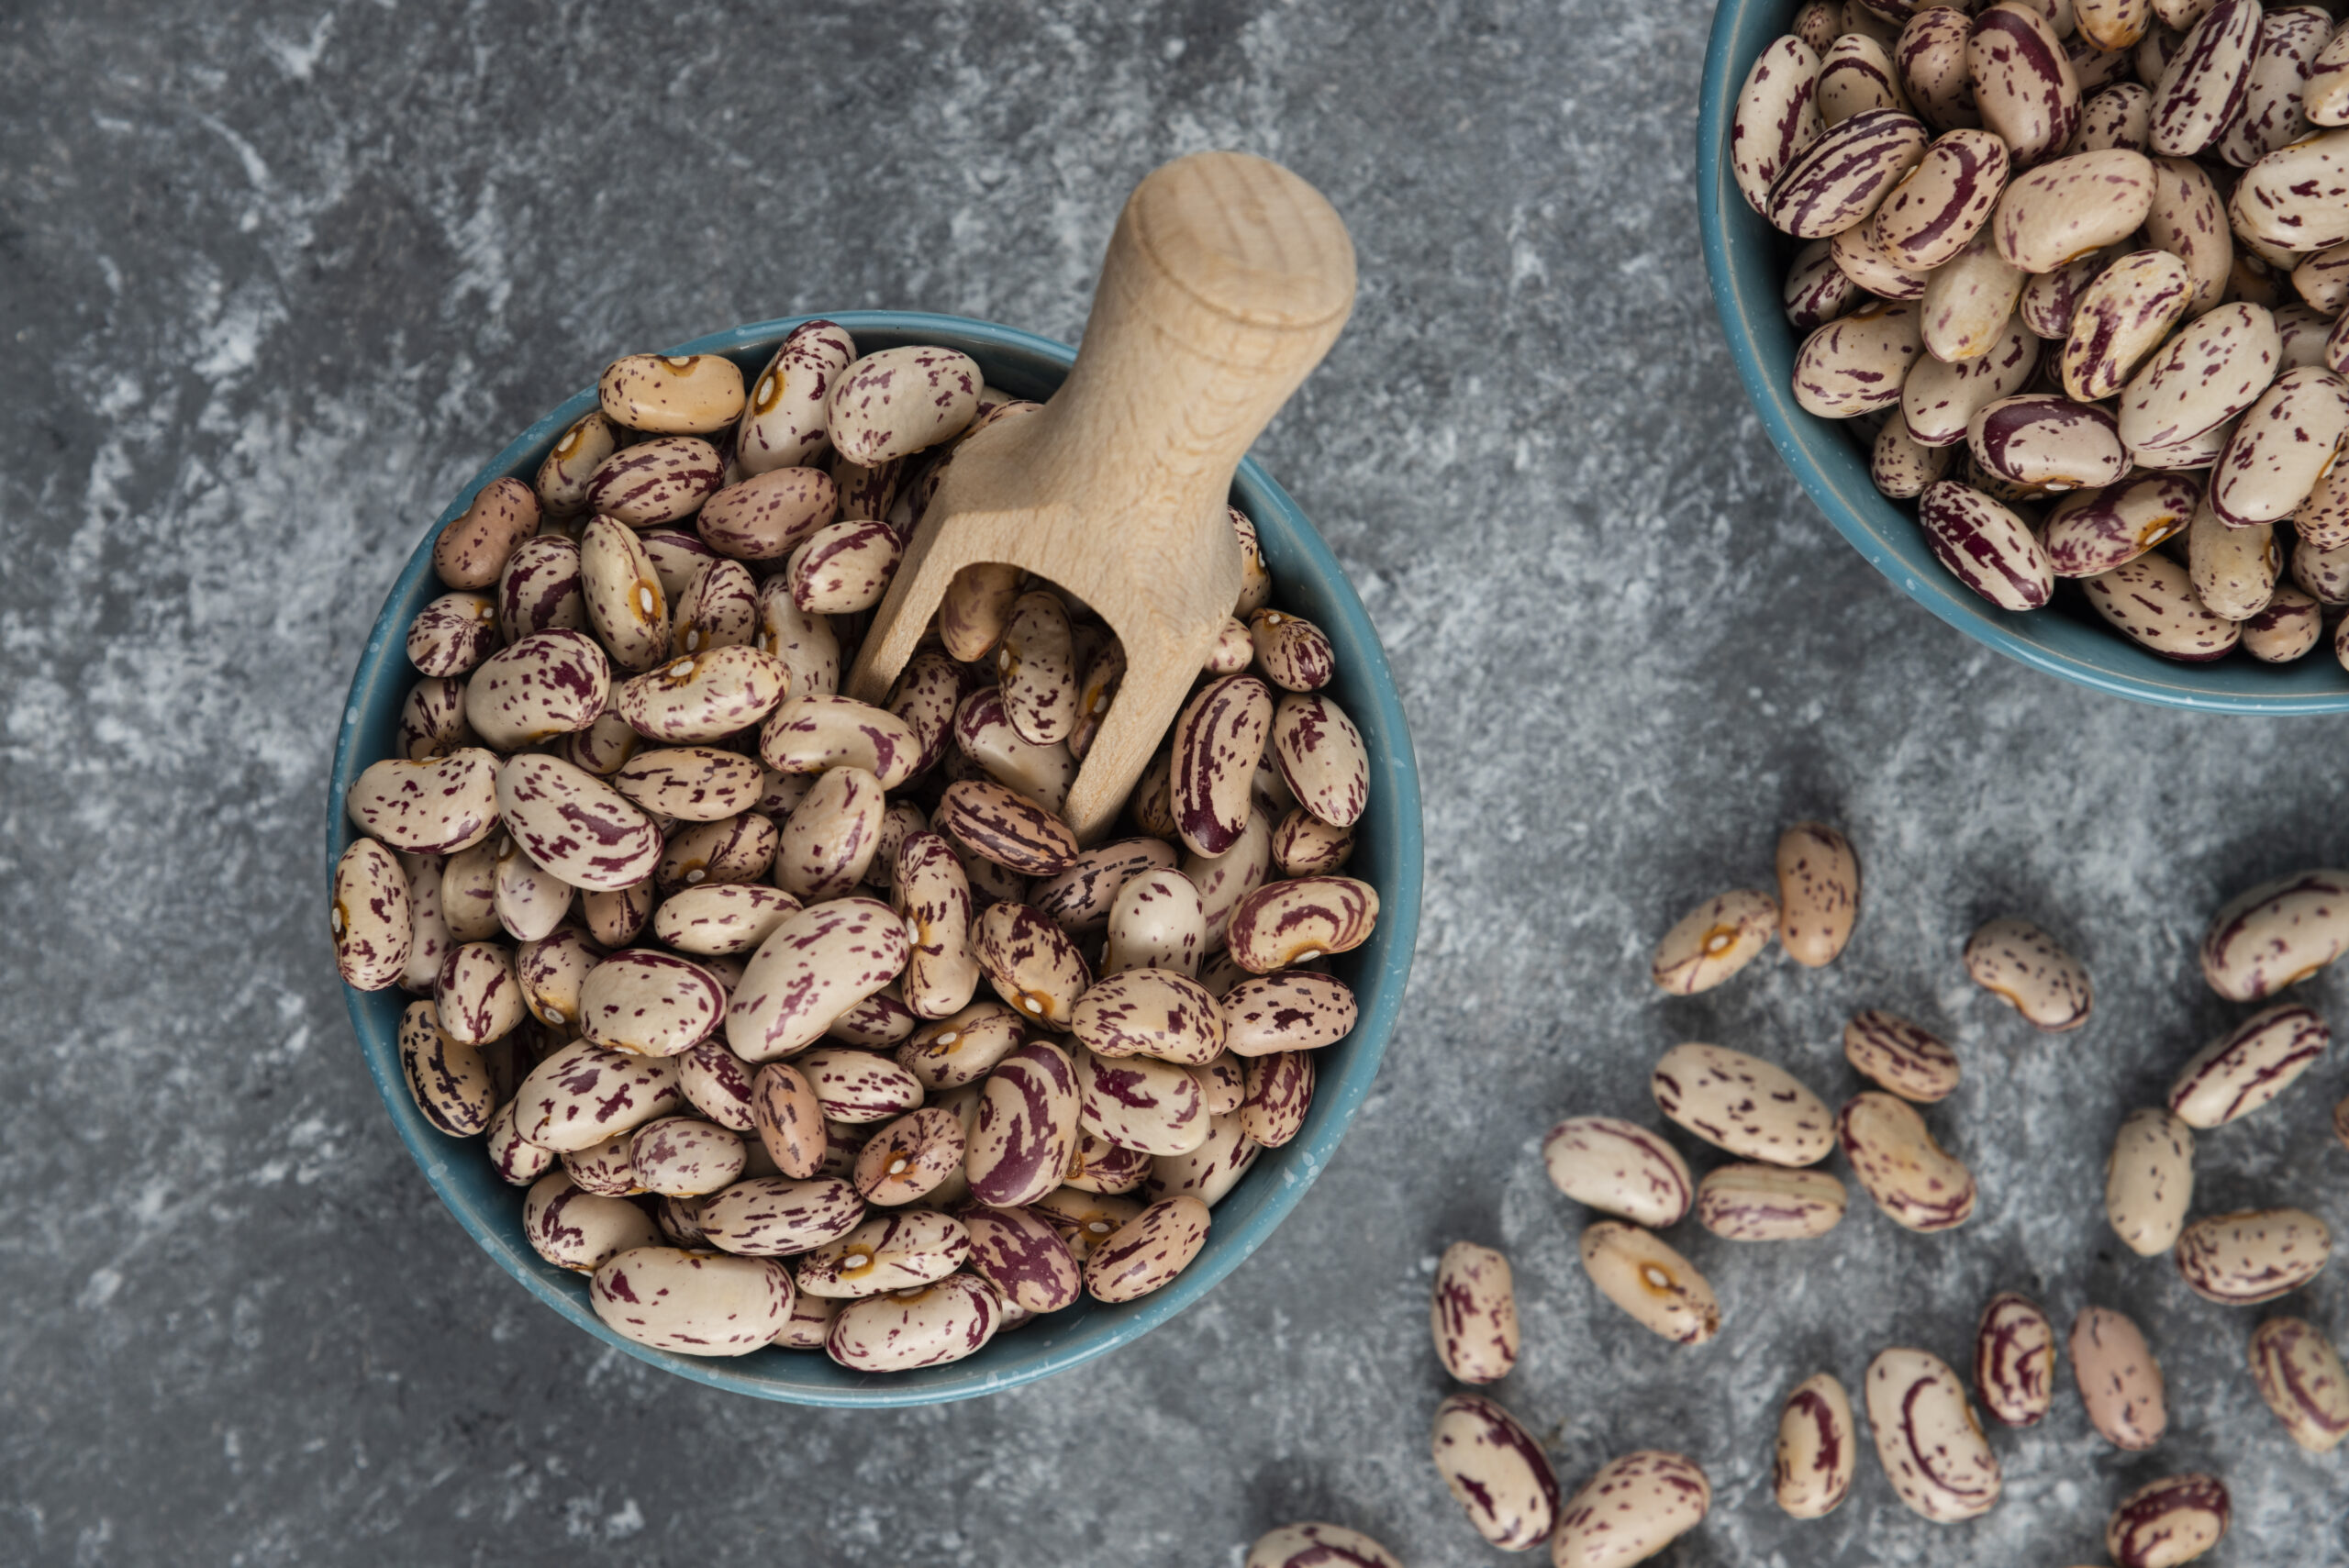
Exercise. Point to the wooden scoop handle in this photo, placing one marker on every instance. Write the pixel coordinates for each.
(1226, 281)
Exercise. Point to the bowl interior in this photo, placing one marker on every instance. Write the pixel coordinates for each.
(1747, 260)
(1307, 580)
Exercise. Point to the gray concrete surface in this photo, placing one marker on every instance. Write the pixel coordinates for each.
(274, 277)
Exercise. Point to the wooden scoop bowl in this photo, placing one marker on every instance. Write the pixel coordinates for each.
(1226, 281)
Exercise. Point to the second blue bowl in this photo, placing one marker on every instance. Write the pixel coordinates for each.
(1748, 260)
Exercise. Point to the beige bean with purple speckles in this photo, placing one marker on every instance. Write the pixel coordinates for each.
(2014, 1360)
(1931, 1445)
(1619, 1167)
(1819, 893)
(655, 482)
(1840, 178)
(575, 1230)
(1856, 75)
(2024, 967)
(1293, 652)
(1157, 921)
(1865, 263)
(583, 1094)
(2252, 1255)
(2248, 1066)
(1031, 962)
(1148, 1251)
(1140, 1103)
(550, 972)
(475, 996)
(1910, 1061)
(1276, 1092)
(2047, 444)
(784, 419)
(894, 1252)
(717, 608)
(2119, 1381)
(1818, 1452)
(447, 1077)
(626, 603)
(1769, 1202)
(2122, 316)
(1149, 1012)
(1939, 397)
(1713, 942)
(371, 919)
(810, 733)
(2300, 1374)
(1292, 922)
(1931, 56)
(1209, 1171)
(932, 895)
(811, 969)
(1754, 1108)
(2024, 82)
(1911, 1178)
(900, 401)
(2203, 86)
(1942, 203)
(2152, 601)
(453, 634)
(649, 1003)
(844, 567)
(829, 837)
(1292, 1010)
(1853, 365)
(685, 1156)
(2284, 444)
(1661, 1290)
(699, 1303)
(692, 783)
(429, 939)
(1968, 301)
(1633, 1508)
(1322, 756)
(1035, 663)
(1900, 466)
(1496, 1471)
(1776, 117)
(1318, 1546)
(929, 1325)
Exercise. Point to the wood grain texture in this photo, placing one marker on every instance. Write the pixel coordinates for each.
(1226, 281)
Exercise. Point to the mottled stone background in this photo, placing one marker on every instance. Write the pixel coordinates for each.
(275, 277)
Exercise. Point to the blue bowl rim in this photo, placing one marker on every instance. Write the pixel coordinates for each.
(1299, 1162)
(1850, 502)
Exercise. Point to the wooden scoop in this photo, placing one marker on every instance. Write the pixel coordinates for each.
(1227, 280)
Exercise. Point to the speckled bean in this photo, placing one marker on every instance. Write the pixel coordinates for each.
(1031, 962)
(446, 1076)
(1749, 1106)
(812, 968)
(2204, 86)
(1620, 1168)
(2024, 85)
(1496, 1472)
(1661, 1290)
(2248, 1066)
(1292, 922)
(1713, 942)
(1853, 365)
(894, 1252)
(475, 993)
(582, 1095)
(2046, 443)
(1910, 1061)
(2300, 1374)
(1633, 1508)
(2252, 1255)
(929, 1325)
(810, 733)
(1217, 740)
(900, 401)
(1838, 179)
(1939, 397)
(370, 919)
(784, 419)
(2167, 1522)
(1298, 1010)
(767, 1217)
(1276, 1092)
(649, 1003)
(1776, 117)
(1147, 1251)
(2121, 1383)
(1768, 1203)
(2023, 967)
(2296, 198)
(655, 482)
(2276, 934)
(2092, 531)
(1932, 1446)
(1912, 1179)
(2014, 1360)
(1473, 1313)
(1818, 1449)
(1819, 893)
(1318, 1546)
(575, 1230)
(453, 634)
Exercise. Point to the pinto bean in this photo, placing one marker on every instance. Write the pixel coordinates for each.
(1932, 1446)
(2252, 1255)
(1619, 1168)
(1633, 1508)
(1496, 1472)
(1818, 1452)
(1661, 1290)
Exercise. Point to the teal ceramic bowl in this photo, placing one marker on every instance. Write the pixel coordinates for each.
(1307, 580)
(1748, 260)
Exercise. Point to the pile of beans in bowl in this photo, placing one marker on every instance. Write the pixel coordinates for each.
(2076, 272)
(806, 1022)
